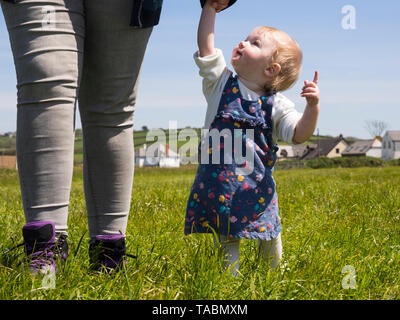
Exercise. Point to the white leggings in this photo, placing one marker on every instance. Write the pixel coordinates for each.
(270, 250)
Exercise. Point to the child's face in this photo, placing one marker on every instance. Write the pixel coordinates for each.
(251, 57)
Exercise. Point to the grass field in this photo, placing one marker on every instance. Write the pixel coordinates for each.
(331, 218)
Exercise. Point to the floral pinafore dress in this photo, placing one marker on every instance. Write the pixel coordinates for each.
(234, 198)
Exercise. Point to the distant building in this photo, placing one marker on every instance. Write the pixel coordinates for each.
(369, 148)
(285, 152)
(330, 148)
(291, 152)
(391, 145)
(157, 155)
(8, 134)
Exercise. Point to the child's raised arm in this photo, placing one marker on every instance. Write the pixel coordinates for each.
(308, 122)
(205, 32)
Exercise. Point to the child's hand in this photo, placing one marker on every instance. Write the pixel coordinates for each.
(218, 5)
(311, 91)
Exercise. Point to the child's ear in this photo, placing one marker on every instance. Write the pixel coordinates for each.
(272, 71)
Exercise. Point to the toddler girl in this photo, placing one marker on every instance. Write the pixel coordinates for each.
(236, 199)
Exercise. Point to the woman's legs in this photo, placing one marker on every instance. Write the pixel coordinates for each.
(48, 61)
(112, 61)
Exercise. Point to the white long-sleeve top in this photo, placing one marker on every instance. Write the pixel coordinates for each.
(214, 71)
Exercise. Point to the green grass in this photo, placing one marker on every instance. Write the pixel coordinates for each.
(330, 218)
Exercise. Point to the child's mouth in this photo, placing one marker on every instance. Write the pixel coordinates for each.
(237, 55)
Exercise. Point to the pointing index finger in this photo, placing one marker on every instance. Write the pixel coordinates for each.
(316, 77)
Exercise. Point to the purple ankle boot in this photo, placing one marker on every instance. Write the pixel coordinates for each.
(42, 248)
(108, 252)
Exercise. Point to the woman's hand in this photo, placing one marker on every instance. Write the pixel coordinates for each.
(218, 5)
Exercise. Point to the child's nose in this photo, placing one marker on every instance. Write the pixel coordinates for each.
(242, 44)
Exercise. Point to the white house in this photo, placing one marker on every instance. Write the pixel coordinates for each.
(287, 152)
(156, 155)
(369, 148)
(391, 145)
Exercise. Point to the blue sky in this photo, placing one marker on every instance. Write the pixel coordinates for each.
(359, 69)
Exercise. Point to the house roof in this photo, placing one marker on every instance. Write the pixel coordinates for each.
(323, 147)
(394, 135)
(359, 147)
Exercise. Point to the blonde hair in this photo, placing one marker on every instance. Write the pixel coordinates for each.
(288, 55)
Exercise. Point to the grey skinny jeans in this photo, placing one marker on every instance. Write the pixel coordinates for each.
(85, 50)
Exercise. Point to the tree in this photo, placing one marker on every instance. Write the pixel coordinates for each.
(376, 127)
